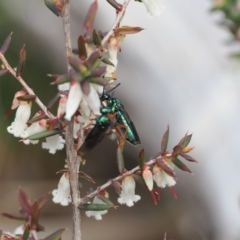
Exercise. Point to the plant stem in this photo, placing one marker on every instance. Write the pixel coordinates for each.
(24, 84)
(70, 150)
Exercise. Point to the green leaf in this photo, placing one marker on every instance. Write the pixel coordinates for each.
(107, 61)
(181, 165)
(56, 6)
(26, 232)
(86, 177)
(93, 60)
(142, 158)
(56, 235)
(185, 140)
(94, 207)
(21, 61)
(164, 143)
(45, 134)
(6, 43)
(37, 118)
(105, 200)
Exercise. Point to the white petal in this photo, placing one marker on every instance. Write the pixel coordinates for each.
(74, 98)
(153, 8)
(93, 101)
(53, 143)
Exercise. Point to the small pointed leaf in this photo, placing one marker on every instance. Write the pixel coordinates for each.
(177, 150)
(14, 216)
(188, 158)
(185, 140)
(42, 200)
(21, 61)
(53, 101)
(86, 177)
(44, 134)
(88, 23)
(107, 61)
(98, 72)
(94, 207)
(115, 4)
(60, 79)
(6, 44)
(161, 163)
(35, 215)
(56, 235)
(139, 179)
(98, 80)
(24, 202)
(181, 165)
(56, 6)
(142, 158)
(37, 118)
(26, 232)
(3, 72)
(127, 30)
(97, 40)
(105, 200)
(82, 51)
(164, 143)
(117, 186)
(93, 58)
(26, 98)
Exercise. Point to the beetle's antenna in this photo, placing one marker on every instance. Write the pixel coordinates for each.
(113, 88)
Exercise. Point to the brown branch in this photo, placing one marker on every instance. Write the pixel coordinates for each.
(109, 183)
(118, 20)
(70, 150)
(25, 85)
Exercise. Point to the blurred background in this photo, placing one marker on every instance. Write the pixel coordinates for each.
(177, 72)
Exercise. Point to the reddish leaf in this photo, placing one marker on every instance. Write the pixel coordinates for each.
(177, 150)
(42, 200)
(181, 165)
(85, 86)
(187, 157)
(14, 216)
(24, 201)
(37, 118)
(86, 177)
(162, 164)
(26, 232)
(127, 30)
(98, 72)
(26, 98)
(82, 51)
(6, 43)
(34, 216)
(88, 23)
(56, 6)
(97, 40)
(164, 143)
(21, 61)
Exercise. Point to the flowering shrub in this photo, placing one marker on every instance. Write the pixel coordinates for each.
(85, 114)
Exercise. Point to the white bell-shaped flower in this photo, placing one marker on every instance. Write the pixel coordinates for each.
(61, 195)
(53, 143)
(22, 116)
(34, 128)
(127, 195)
(161, 178)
